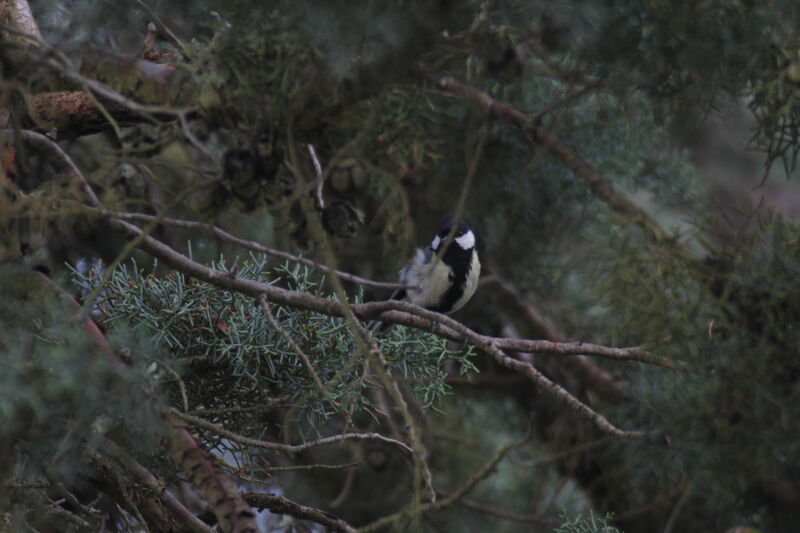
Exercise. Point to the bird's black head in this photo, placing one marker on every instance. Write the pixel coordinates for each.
(463, 236)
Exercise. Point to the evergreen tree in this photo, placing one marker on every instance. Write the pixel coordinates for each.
(198, 198)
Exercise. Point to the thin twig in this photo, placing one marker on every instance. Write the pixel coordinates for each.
(248, 441)
(663, 499)
(275, 402)
(673, 515)
(177, 40)
(271, 469)
(560, 455)
(484, 472)
(494, 511)
(252, 245)
(181, 386)
(367, 346)
(296, 347)
(320, 176)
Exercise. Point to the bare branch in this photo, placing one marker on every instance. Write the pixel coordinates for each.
(494, 511)
(280, 505)
(247, 441)
(320, 176)
(484, 472)
(597, 185)
(252, 245)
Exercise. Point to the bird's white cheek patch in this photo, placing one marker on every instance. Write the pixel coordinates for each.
(466, 241)
(435, 243)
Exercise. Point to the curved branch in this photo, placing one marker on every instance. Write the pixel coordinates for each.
(597, 185)
(412, 316)
(424, 319)
(280, 505)
(248, 441)
(484, 472)
(252, 245)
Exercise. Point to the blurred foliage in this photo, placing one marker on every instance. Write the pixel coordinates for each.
(733, 319)
(357, 80)
(59, 394)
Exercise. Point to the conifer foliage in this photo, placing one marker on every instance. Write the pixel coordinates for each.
(204, 205)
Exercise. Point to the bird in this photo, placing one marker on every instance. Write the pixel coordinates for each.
(443, 276)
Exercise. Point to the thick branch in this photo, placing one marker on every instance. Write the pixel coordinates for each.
(598, 186)
(17, 14)
(233, 513)
(75, 113)
(198, 465)
(114, 482)
(190, 522)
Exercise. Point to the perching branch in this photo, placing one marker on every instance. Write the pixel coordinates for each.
(370, 310)
(412, 315)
